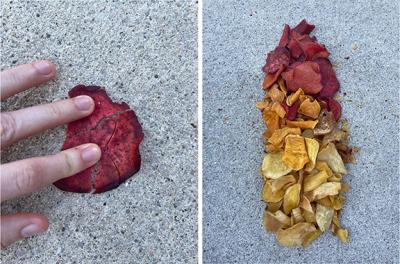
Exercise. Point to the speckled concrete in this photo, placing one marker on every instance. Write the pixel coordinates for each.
(363, 39)
(144, 53)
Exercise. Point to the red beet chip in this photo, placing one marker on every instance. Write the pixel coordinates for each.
(305, 75)
(285, 36)
(304, 28)
(335, 108)
(115, 128)
(291, 111)
(328, 79)
(275, 59)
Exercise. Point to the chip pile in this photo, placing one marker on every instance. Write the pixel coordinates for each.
(306, 142)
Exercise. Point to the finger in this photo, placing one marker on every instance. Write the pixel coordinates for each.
(21, 225)
(25, 176)
(29, 121)
(25, 76)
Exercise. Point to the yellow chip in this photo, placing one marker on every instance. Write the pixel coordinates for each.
(273, 167)
(291, 199)
(330, 155)
(324, 217)
(312, 151)
(295, 235)
(312, 181)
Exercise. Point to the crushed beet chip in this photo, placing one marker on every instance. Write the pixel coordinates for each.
(115, 128)
(280, 56)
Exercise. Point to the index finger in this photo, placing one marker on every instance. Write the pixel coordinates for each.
(25, 76)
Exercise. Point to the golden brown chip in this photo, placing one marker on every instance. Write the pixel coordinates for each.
(326, 123)
(330, 155)
(323, 166)
(295, 235)
(276, 94)
(325, 202)
(335, 177)
(309, 108)
(273, 207)
(325, 189)
(282, 85)
(310, 237)
(282, 183)
(345, 187)
(278, 108)
(272, 223)
(343, 235)
(336, 135)
(261, 105)
(324, 217)
(291, 199)
(295, 154)
(306, 205)
(273, 148)
(291, 99)
(313, 181)
(309, 124)
(296, 213)
(309, 216)
(273, 166)
(312, 151)
(269, 196)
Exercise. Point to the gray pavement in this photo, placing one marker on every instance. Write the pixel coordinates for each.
(144, 53)
(237, 35)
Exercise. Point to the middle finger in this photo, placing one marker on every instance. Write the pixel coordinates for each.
(22, 123)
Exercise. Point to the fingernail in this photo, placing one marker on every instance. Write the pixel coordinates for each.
(43, 67)
(90, 154)
(83, 102)
(31, 230)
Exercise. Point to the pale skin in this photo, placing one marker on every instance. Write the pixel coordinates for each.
(22, 177)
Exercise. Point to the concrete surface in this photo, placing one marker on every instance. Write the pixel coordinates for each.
(236, 38)
(144, 53)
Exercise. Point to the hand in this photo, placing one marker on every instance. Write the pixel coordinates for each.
(25, 176)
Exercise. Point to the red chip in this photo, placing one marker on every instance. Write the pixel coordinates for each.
(335, 108)
(328, 79)
(278, 57)
(305, 75)
(304, 28)
(285, 36)
(115, 128)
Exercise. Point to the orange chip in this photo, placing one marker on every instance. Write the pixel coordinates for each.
(279, 135)
(309, 108)
(276, 94)
(310, 124)
(295, 154)
(271, 119)
(278, 108)
(294, 97)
